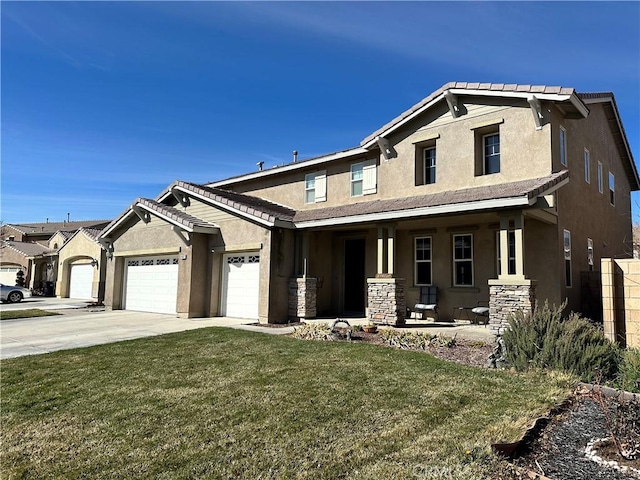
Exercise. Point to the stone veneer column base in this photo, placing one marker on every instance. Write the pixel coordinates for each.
(507, 297)
(386, 300)
(302, 297)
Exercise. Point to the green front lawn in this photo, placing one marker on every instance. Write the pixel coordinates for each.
(221, 403)
(27, 313)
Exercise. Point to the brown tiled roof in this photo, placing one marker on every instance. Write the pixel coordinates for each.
(494, 87)
(173, 213)
(529, 188)
(28, 249)
(53, 227)
(258, 207)
(92, 233)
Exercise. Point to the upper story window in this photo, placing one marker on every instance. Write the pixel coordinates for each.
(612, 188)
(600, 179)
(563, 146)
(463, 260)
(315, 187)
(429, 165)
(491, 157)
(422, 255)
(425, 161)
(587, 166)
(590, 253)
(363, 178)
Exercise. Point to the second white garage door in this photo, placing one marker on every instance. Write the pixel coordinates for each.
(81, 282)
(241, 282)
(151, 284)
(8, 275)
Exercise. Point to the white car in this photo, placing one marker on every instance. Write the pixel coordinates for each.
(13, 294)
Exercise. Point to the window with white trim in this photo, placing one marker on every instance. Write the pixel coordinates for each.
(612, 189)
(315, 187)
(491, 153)
(364, 178)
(563, 146)
(587, 166)
(590, 253)
(429, 165)
(422, 256)
(511, 239)
(600, 178)
(463, 260)
(567, 258)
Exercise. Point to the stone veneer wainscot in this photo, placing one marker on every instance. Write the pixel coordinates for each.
(507, 297)
(303, 297)
(386, 300)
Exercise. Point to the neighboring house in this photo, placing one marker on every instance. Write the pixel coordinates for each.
(82, 266)
(33, 248)
(490, 192)
(42, 232)
(36, 261)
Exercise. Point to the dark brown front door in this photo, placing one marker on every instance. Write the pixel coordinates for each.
(354, 277)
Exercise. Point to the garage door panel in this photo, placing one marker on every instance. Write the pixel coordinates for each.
(8, 275)
(151, 284)
(81, 282)
(241, 280)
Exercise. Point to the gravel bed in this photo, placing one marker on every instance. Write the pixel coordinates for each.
(560, 449)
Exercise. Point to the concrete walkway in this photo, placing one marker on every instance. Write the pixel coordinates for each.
(32, 336)
(84, 328)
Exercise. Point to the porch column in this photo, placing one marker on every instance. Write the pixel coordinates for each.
(511, 291)
(381, 251)
(391, 253)
(518, 229)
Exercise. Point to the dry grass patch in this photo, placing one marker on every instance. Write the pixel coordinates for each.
(220, 403)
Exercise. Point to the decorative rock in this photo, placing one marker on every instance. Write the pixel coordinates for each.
(386, 300)
(302, 297)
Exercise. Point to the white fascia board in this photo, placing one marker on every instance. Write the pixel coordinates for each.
(373, 141)
(125, 216)
(553, 97)
(521, 201)
(552, 189)
(290, 167)
(556, 97)
(225, 207)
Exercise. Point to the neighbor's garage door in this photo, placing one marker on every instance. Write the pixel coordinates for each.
(151, 284)
(81, 282)
(8, 275)
(241, 281)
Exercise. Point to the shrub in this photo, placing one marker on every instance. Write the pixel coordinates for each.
(629, 376)
(415, 340)
(545, 339)
(312, 331)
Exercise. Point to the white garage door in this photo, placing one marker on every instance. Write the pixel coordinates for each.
(241, 281)
(8, 275)
(81, 282)
(151, 284)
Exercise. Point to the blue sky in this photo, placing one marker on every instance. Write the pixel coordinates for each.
(103, 102)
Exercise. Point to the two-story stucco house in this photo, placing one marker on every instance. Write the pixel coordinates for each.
(489, 192)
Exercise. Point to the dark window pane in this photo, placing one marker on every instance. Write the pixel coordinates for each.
(423, 272)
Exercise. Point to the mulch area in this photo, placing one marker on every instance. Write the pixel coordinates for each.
(559, 452)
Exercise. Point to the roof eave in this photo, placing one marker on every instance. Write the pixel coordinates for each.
(575, 101)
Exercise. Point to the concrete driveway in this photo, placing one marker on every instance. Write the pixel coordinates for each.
(32, 336)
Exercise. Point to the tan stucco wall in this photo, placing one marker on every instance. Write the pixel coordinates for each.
(80, 250)
(57, 239)
(584, 211)
(621, 300)
(525, 153)
(200, 267)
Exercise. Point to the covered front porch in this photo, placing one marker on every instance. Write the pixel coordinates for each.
(376, 270)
